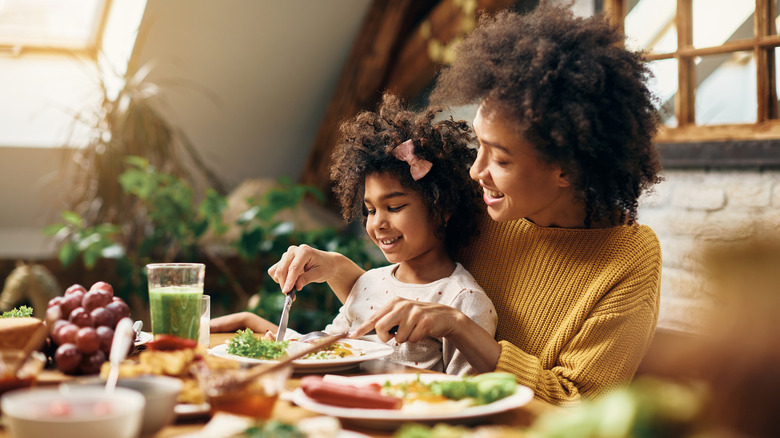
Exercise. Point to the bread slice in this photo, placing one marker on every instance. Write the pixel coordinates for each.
(14, 332)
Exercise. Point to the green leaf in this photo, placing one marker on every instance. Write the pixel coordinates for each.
(20, 312)
(139, 162)
(248, 215)
(52, 230)
(91, 256)
(245, 344)
(72, 217)
(68, 253)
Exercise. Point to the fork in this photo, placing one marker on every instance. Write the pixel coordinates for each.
(308, 337)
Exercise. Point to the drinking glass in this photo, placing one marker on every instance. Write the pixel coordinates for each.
(175, 295)
(205, 318)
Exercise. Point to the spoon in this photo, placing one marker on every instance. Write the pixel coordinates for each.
(137, 326)
(33, 344)
(123, 336)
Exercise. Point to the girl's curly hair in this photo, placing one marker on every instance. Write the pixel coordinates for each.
(366, 147)
(578, 96)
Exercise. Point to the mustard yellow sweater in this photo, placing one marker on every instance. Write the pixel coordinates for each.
(576, 308)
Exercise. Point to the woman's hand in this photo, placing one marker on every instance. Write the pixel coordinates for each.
(301, 265)
(416, 320)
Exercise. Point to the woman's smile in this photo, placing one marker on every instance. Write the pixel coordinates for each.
(491, 197)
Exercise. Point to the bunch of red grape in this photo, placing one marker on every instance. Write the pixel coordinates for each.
(81, 326)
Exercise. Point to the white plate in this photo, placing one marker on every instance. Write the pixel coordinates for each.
(189, 410)
(223, 425)
(349, 434)
(364, 350)
(143, 338)
(390, 419)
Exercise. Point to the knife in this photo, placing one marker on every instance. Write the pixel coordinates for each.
(288, 300)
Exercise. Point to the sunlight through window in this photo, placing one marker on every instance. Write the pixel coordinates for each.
(65, 24)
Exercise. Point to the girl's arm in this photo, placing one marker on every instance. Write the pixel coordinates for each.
(239, 321)
(301, 265)
(416, 320)
(475, 344)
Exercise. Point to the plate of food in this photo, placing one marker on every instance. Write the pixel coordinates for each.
(388, 400)
(342, 355)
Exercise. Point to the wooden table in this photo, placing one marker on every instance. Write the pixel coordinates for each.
(287, 412)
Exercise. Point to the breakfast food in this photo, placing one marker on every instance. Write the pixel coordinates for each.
(413, 396)
(224, 425)
(169, 357)
(442, 430)
(14, 332)
(348, 396)
(245, 344)
(81, 326)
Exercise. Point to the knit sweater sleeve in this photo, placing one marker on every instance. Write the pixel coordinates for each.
(577, 309)
(604, 354)
(606, 348)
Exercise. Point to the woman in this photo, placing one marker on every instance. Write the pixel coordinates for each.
(564, 125)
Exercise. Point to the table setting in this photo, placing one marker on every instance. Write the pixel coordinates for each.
(176, 380)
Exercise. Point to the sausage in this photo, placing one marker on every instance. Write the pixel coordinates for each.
(348, 396)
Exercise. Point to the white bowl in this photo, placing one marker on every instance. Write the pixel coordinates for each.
(76, 413)
(160, 393)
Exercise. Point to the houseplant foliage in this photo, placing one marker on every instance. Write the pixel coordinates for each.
(124, 121)
(176, 226)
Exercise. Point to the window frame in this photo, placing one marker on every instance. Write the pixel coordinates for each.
(692, 145)
(90, 50)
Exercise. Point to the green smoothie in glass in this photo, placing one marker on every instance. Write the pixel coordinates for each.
(175, 310)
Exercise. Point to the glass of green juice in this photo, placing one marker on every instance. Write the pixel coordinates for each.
(175, 293)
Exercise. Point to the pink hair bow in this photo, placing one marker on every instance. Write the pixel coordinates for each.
(417, 167)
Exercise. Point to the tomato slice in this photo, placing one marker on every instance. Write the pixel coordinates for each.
(170, 343)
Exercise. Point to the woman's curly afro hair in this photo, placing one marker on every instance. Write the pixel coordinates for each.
(578, 96)
(366, 147)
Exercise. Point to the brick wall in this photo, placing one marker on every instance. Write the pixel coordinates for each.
(694, 208)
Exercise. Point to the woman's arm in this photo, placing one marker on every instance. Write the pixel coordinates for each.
(301, 265)
(416, 320)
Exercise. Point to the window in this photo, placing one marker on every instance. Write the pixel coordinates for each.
(49, 63)
(714, 64)
(51, 24)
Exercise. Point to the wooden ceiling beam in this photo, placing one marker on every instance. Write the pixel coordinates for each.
(361, 81)
(390, 53)
(415, 67)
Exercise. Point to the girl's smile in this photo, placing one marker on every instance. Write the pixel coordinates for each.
(399, 222)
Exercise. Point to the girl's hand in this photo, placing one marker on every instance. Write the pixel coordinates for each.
(415, 321)
(299, 266)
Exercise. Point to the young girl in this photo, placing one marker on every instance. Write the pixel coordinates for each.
(406, 176)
